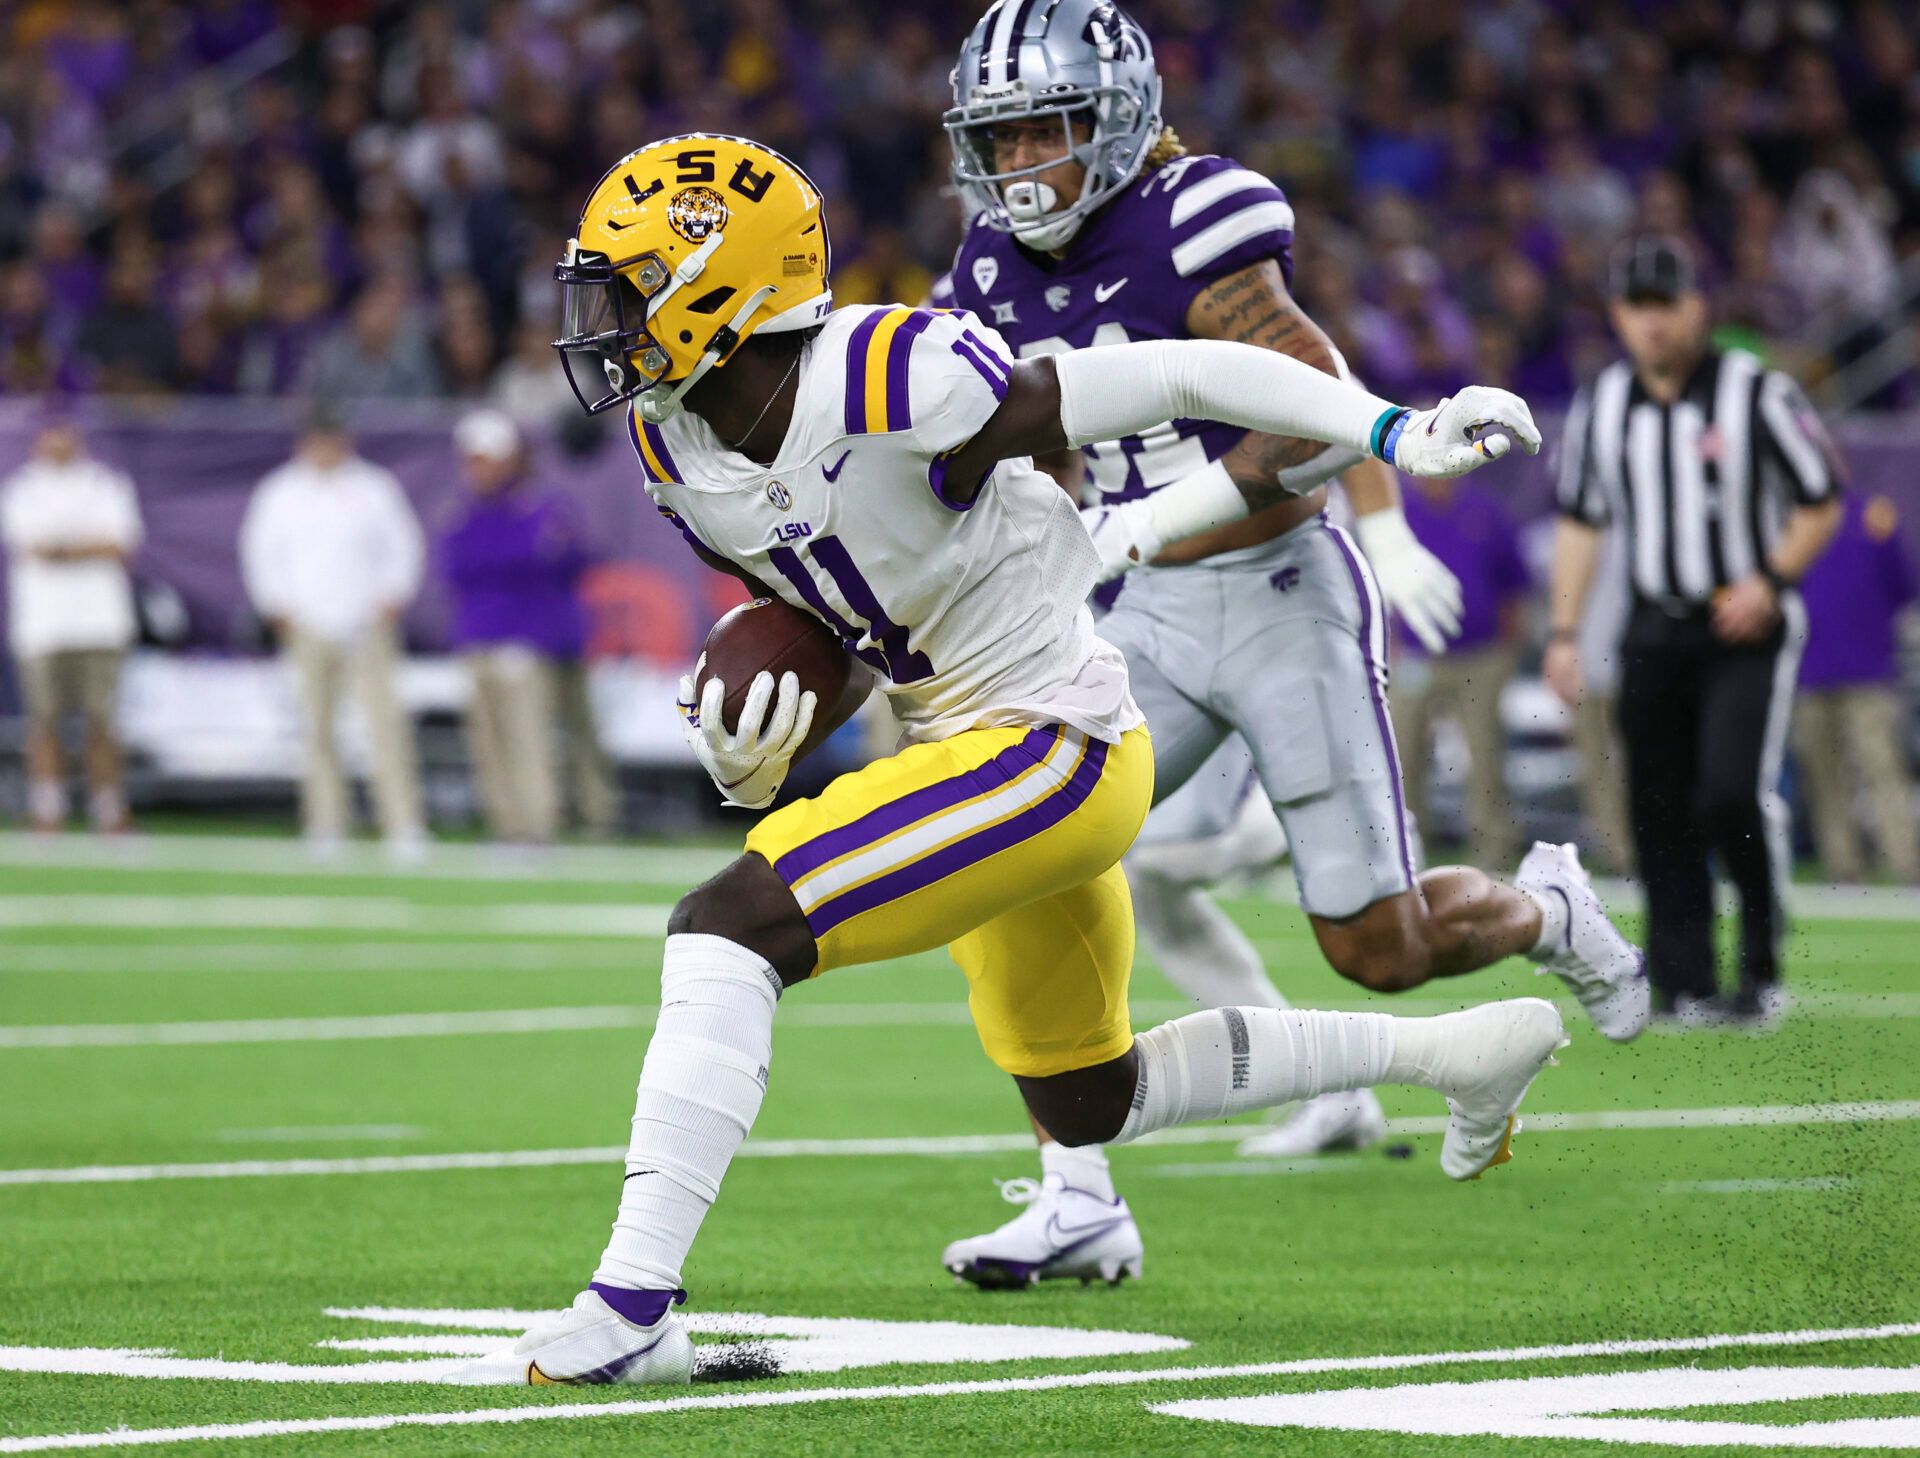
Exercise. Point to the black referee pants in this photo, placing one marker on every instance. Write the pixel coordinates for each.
(1704, 724)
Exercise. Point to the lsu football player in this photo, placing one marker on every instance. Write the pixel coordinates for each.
(1243, 610)
(873, 466)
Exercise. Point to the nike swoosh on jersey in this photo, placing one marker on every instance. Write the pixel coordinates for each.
(832, 473)
(1103, 292)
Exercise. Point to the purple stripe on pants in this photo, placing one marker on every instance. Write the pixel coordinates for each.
(899, 352)
(857, 370)
(968, 851)
(930, 800)
(1374, 679)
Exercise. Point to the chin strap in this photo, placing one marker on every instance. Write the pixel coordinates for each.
(658, 411)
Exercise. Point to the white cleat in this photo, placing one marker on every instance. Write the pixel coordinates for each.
(1331, 1122)
(1491, 1055)
(588, 1344)
(1063, 1232)
(1604, 970)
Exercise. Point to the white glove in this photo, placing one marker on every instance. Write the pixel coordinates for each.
(750, 764)
(1461, 433)
(1123, 535)
(1415, 583)
(1137, 531)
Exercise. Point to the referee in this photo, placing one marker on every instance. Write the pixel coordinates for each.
(1726, 488)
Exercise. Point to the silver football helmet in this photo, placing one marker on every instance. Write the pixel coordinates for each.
(1084, 64)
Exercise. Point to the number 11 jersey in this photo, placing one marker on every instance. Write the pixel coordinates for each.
(973, 615)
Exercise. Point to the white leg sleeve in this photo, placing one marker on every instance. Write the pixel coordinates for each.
(1211, 1065)
(1197, 944)
(700, 1090)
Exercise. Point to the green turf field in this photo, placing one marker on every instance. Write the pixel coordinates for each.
(229, 1083)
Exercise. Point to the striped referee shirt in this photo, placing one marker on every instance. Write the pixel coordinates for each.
(1704, 485)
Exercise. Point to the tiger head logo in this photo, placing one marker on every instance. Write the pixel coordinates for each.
(696, 213)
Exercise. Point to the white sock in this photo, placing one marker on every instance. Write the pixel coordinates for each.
(1082, 1169)
(1553, 922)
(700, 1090)
(46, 801)
(1197, 944)
(1211, 1065)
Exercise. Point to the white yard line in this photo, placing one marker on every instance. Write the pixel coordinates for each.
(151, 955)
(726, 1401)
(1757, 1187)
(946, 1146)
(336, 913)
(385, 1026)
(665, 865)
(274, 856)
(323, 1134)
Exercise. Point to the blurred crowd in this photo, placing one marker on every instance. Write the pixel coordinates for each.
(351, 198)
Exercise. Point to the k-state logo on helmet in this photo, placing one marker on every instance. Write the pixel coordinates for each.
(1113, 35)
(985, 271)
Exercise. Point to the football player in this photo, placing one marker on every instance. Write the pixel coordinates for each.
(873, 466)
(1243, 609)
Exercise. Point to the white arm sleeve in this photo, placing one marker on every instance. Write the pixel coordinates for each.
(1127, 388)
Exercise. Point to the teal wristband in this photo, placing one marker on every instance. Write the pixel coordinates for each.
(1386, 431)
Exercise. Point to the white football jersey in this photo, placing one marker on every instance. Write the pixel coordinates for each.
(972, 616)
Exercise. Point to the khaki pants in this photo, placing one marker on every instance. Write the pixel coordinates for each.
(1469, 684)
(367, 667)
(509, 735)
(83, 681)
(585, 769)
(1603, 781)
(1830, 728)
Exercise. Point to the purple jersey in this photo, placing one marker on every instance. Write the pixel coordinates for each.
(1131, 273)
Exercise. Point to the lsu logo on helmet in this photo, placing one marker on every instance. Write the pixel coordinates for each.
(685, 248)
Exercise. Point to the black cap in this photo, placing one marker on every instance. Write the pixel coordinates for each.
(1652, 266)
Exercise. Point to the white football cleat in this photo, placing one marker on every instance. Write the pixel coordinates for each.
(589, 1343)
(1063, 1232)
(1333, 1121)
(1491, 1055)
(1604, 970)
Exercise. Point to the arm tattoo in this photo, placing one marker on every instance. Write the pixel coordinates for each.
(1254, 307)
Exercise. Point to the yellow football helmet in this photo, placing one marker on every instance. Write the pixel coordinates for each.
(686, 248)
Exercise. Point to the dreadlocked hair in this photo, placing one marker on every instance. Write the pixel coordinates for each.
(1165, 148)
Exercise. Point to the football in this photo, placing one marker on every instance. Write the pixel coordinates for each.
(767, 634)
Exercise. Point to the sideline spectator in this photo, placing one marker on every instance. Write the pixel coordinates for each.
(513, 558)
(332, 555)
(1849, 708)
(1467, 528)
(69, 525)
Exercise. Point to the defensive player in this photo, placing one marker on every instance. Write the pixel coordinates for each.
(1092, 226)
(873, 466)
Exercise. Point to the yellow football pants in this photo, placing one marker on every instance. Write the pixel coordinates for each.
(1002, 844)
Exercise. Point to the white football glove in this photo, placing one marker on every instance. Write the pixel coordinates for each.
(1415, 583)
(750, 764)
(1463, 432)
(1132, 532)
(1123, 535)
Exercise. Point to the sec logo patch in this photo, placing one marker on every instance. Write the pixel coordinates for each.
(780, 496)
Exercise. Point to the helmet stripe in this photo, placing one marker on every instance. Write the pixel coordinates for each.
(1016, 35)
(1003, 19)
